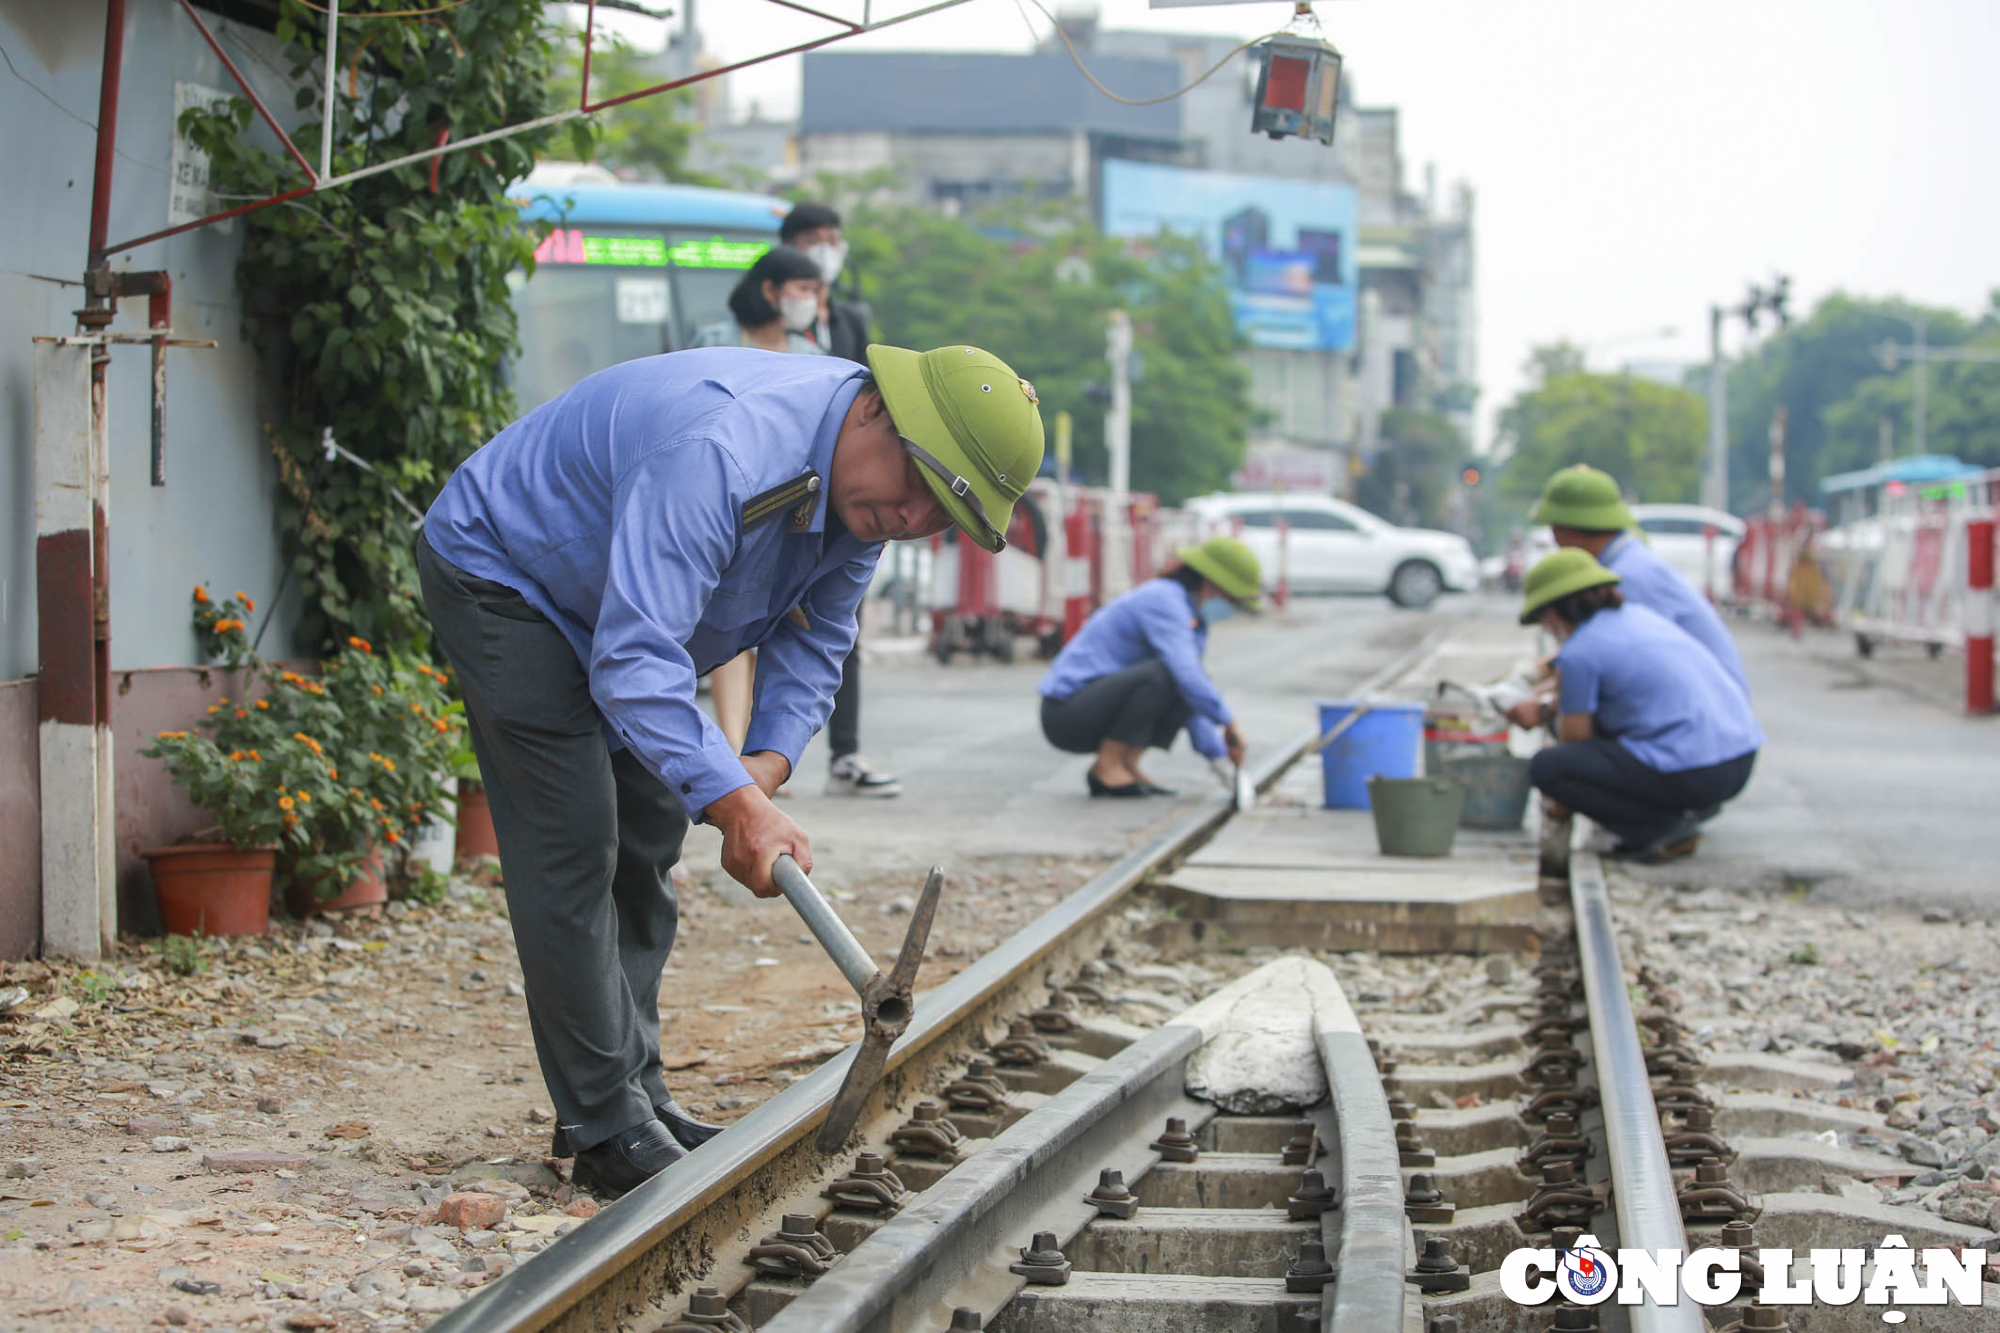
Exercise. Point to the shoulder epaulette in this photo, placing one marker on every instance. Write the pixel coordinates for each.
(799, 494)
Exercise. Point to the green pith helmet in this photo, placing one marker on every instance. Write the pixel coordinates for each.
(1230, 566)
(1583, 498)
(971, 424)
(1556, 576)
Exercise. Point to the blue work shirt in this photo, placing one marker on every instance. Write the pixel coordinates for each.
(1651, 582)
(618, 510)
(1653, 691)
(1155, 619)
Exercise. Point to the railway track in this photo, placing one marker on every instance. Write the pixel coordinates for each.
(1031, 1163)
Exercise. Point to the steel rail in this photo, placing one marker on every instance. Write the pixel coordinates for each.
(1031, 1178)
(640, 1234)
(1368, 1297)
(1642, 1182)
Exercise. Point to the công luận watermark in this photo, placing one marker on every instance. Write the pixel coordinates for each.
(1890, 1275)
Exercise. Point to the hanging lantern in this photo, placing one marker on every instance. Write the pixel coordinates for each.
(1298, 87)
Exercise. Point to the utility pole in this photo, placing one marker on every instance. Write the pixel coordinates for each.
(1715, 487)
(1757, 301)
(1118, 444)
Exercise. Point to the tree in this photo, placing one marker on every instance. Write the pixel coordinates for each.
(1810, 368)
(1962, 409)
(1414, 475)
(1035, 286)
(648, 138)
(1649, 436)
(384, 303)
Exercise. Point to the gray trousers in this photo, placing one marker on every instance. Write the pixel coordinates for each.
(587, 840)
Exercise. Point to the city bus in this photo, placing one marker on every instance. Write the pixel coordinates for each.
(626, 270)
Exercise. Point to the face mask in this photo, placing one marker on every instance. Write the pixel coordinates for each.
(829, 255)
(1215, 610)
(800, 312)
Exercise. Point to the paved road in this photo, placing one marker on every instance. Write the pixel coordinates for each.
(980, 782)
(1868, 793)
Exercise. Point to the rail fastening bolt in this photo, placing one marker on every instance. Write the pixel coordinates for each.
(1310, 1271)
(1176, 1144)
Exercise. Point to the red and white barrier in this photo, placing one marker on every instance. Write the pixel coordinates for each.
(1979, 615)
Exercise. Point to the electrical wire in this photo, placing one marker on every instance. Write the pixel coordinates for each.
(1143, 101)
(90, 125)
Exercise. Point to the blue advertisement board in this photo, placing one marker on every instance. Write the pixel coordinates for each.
(1286, 247)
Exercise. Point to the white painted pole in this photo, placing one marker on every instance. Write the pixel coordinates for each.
(1118, 444)
(332, 74)
(78, 890)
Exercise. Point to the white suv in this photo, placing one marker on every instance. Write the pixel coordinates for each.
(1334, 546)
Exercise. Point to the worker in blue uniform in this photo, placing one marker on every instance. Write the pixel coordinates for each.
(600, 554)
(1584, 511)
(1651, 732)
(1133, 679)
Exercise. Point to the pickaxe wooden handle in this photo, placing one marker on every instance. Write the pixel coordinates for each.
(885, 997)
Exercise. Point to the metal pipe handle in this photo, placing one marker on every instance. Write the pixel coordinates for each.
(825, 924)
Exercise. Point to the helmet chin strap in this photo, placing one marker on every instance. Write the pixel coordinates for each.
(954, 483)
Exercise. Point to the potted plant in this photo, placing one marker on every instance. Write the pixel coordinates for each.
(322, 777)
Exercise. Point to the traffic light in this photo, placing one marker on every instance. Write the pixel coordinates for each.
(1470, 476)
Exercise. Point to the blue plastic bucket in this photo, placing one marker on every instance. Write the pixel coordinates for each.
(1384, 744)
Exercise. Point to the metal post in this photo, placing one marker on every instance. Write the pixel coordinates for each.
(1118, 445)
(1923, 374)
(78, 909)
(332, 71)
(1978, 616)
(1777, 506)
(1715, 493)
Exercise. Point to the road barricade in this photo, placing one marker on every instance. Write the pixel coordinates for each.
(1777, 570)
(1057, 568)
(1916, 566)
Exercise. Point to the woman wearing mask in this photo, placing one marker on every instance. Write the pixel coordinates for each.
(1132, 678)
(1653, 734)
(774, 306)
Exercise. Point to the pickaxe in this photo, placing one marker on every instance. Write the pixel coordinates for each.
(885, 997)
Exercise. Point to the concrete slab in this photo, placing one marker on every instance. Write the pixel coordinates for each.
(1218, 1180)
(1155, 1303)
(1204, 1242)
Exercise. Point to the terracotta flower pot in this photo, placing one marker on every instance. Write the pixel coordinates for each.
(213, 888)
(366, 889)
(475, 824)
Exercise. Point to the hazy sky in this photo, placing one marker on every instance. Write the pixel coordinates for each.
(1635, 160)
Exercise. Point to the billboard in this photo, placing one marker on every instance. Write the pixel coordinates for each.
(1287, 247)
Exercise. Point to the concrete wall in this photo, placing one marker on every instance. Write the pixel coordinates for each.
(214, 520)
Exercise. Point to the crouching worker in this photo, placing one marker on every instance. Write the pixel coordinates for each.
(1652, 733)
(1132, 678)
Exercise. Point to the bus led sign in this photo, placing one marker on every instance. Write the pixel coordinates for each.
(569, 245)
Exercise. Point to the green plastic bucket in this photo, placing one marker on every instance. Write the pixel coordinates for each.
(1415, 816)
(1496, 788)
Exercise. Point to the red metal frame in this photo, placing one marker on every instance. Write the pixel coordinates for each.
(316, 182)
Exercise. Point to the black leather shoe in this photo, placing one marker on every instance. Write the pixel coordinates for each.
(626, 1160)
(1706, 813)
(1099, 787)
(1155, 789)
(689, 1132)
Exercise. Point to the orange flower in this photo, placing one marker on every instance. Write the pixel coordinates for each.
(377, 689)
(236, 756)
(291, 678)
(391, 836)
(416, 708)
(362, 644)
(244, 598)
(441, 724)
(213, 709)
(284, 802)
(308, 742)
(291, 821)
(261, 703)
(200, 595)
(333, 772)
(379, 807)
(258, 758)
(305, 796)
